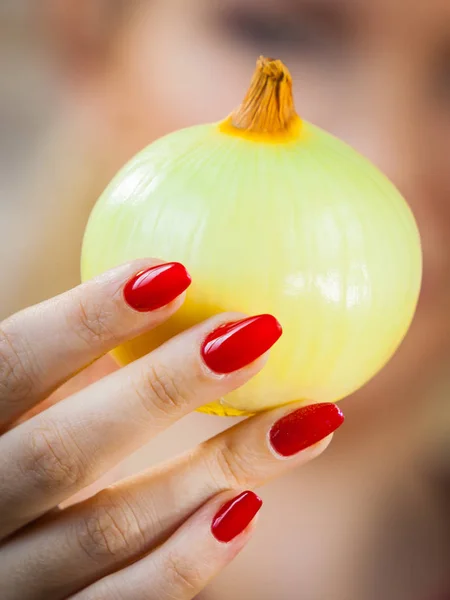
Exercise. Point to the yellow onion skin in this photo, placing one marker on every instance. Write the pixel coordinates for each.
(303, 228)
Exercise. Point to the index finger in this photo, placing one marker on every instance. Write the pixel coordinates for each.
(42, 346)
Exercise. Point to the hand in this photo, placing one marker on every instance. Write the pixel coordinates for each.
(156, 535)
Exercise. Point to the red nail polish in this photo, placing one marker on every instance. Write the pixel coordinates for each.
(157, 286)
(235, 345)
(235, 515)
(304, 427)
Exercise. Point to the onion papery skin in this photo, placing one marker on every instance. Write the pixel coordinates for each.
(303, 228)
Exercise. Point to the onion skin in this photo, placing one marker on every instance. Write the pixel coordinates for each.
(296, 224)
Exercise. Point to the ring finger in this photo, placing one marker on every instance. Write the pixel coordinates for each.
(121, 523)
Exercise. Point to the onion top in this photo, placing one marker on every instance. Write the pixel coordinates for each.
(270, 214)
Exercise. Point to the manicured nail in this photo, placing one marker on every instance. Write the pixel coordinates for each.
(157, 286)
(304, 427)
(235, 345)
(235, 516)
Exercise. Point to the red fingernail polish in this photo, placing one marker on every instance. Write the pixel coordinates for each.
(235, 515)
(304, 427)
(235, 345)
(157, 286)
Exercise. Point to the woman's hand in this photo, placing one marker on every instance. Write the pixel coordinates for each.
(157, 535)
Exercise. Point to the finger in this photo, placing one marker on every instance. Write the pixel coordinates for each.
(184, 564)
(97, 370)
(42, 346)
(53, 455)
(127, 520)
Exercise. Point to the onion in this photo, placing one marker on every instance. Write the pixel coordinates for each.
(270, 214)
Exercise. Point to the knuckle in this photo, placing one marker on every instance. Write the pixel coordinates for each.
(230, 468)
(111, 530)
(159, 389)
(182, 574)
(16, 381)
(53, 459)
(93, 321)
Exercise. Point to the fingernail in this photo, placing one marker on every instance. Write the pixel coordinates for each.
(304, 427)
(235, 516)
(235, 345)
(157, 286)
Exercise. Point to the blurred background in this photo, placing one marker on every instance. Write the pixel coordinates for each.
(84, 84)
(28, 101)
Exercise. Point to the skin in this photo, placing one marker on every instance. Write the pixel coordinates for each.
(369, 519)
(155, 521)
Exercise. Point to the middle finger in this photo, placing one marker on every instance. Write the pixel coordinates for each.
(56, 453)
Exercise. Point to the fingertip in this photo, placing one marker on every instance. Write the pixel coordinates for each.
(305, 428)
(237, 344)
(156, 287)
(235, 516)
